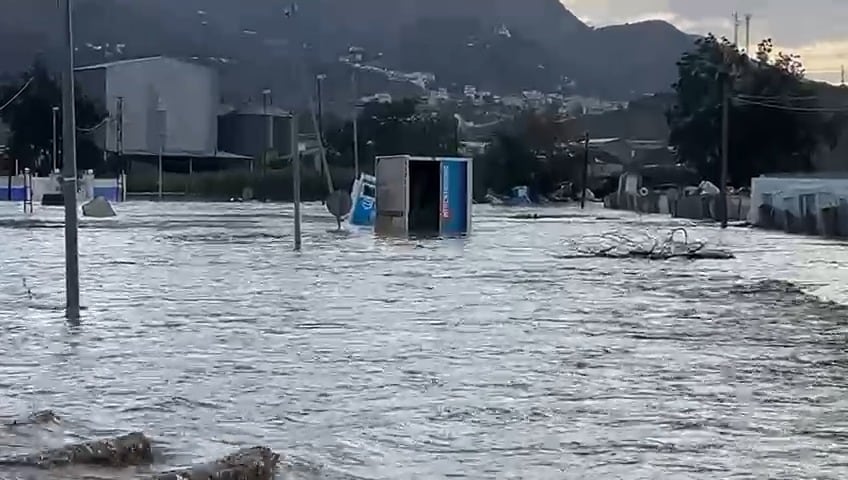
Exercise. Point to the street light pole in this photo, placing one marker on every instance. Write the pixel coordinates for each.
(319, 81)
(55, 139)
(585, 176)
(355, 124)
(725, 142)
(69, 170)
(162, 116)
(295, 159)
(269, 141)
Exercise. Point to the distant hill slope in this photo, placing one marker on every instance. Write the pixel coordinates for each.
(500, 45)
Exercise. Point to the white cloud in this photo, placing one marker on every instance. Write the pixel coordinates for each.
(819, 42)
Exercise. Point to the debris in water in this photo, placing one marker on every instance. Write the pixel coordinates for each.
(122, 451)
(615, 245)
(768, 286)
(543, 216)
(255, 463)
(41, 417)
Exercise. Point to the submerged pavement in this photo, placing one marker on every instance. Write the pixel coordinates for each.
(498, 356)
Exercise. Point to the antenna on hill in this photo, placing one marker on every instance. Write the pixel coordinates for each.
(842, 78)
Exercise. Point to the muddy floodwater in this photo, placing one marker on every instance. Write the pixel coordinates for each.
(494, 357)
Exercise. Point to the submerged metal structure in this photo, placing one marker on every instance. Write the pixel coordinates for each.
(423, 196)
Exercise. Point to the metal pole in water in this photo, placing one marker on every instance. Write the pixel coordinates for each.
(55, 139)
(69, 169)
(725, 141)
(585, 171)
(269, 141)
(319, 80)
(355, 124)
(295, 158)
(162, 116)
(160, 173)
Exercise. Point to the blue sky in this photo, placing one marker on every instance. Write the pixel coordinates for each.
(815, 29)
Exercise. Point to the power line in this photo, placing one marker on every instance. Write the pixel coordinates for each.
(15, 96)
(791, 108)
(89, 130)
(777, 97)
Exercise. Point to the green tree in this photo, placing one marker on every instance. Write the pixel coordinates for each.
(775, 122)
(30, 118)
(398, 127)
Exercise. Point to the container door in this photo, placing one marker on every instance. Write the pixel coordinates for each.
(454, 207)
(392, 207)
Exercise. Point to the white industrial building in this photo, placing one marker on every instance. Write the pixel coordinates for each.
(155, 99)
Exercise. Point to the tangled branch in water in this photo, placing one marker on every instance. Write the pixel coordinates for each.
(617, 245)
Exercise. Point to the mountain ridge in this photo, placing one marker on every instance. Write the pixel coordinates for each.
(459, 41)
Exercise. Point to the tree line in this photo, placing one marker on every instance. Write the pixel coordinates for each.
(30, 118)
(776, 120)
(777, 123)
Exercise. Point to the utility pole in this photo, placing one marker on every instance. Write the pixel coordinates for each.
(725, 143)
(55, 140)
(748, 33)
(119, 132)
(69, 170)
(585, 170)
(456, 138)
(295, 159)
(319, 81)
(266, 105)
(355, 124)
(735, 29)
(162, 116)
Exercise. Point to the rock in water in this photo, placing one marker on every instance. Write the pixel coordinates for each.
(255, 463)
(118, 452)
(98, 208)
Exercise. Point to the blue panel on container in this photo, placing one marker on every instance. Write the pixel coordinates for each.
(454, 196)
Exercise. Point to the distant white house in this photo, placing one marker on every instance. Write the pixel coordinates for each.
(377, 98)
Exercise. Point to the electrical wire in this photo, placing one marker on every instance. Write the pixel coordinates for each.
(15, 96)
(23, 89)
(790, 108)
(778, 97)
(89, 130)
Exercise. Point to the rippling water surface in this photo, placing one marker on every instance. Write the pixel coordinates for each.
(491, 357)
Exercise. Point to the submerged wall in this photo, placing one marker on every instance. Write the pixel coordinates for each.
(695, 207)
(811, 205)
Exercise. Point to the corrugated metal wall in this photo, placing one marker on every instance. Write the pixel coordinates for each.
(189, 93)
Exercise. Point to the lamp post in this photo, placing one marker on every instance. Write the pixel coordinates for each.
(725, 85)
(162, 117)
(295, 159)
(69, 170)
(319, 82)
(55, 155)
(269, 141)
